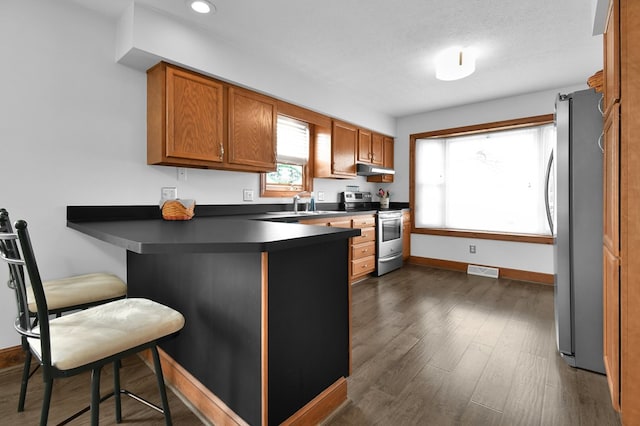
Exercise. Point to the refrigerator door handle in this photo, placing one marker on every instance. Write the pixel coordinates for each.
(546, 192)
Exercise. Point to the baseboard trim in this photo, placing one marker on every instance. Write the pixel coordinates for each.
(216, 411)
(321, 406)
(202, 399)
(512, 274)
(11, 356)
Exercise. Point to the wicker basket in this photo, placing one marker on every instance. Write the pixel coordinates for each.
(175, 210)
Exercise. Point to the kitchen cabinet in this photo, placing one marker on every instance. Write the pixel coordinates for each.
(335, 153)
(370, 147)
(406, 234)
(387, 144)
(197, 121)
(185, 118)
(252, 129)
(362, 260)
(621, 234)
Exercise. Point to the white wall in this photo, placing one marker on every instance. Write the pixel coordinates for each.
(524, 256)
(73, 132)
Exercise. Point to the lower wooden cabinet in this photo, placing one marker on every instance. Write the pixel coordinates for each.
(611, 323)
(362, 250)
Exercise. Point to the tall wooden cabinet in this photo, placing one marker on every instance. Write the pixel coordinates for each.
(621, 251)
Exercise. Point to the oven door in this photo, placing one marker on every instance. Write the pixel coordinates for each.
(389, 242)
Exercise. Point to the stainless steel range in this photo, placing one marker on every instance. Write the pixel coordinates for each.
(388, 230)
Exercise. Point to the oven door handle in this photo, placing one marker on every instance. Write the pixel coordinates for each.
(389, 259)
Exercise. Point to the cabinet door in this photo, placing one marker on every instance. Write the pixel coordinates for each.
(343, 143)
(611, 325)
(377, 149)
(194, 116)
(611, 178)
(364, 146)
(252, 129)
(388, 161)
(612, 56)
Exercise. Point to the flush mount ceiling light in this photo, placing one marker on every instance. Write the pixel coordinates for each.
(455, 63)
(201, 6)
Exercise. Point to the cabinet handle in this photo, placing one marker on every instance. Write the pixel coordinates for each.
(221, 151)
(600, 142)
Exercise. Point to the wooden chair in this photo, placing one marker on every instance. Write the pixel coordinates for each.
(63, 295)
(85, 340)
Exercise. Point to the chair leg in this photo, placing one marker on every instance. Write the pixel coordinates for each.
(95, 396)
(116, 390)
(46, 402)
(25, 380)
(161, 387)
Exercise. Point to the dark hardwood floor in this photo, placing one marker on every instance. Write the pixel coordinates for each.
(72, 394)
(434, 347)
(430, 347)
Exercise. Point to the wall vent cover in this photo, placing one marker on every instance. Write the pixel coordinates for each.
(483, 271)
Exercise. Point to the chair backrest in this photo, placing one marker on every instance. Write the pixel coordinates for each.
(10, 253)
(11, 247)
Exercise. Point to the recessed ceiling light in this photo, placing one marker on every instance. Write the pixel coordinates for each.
(202, 6)
(455, 63)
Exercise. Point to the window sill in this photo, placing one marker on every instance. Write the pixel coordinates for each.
(484, 235)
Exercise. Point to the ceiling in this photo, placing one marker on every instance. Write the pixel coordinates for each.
(381, 52)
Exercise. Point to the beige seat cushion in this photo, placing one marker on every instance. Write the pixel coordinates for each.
(79, 290)
(104, 330)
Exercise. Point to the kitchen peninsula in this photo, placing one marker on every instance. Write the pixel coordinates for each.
(266, 307)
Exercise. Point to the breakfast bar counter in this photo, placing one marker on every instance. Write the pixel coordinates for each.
(266, 338)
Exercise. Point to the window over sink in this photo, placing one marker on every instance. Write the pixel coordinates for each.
(292, 156)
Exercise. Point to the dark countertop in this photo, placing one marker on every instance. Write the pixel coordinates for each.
(210, 234)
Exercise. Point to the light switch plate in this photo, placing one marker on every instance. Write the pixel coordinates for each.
(320, 195)
(247, 195)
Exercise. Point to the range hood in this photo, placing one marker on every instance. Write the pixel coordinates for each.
(371, 170)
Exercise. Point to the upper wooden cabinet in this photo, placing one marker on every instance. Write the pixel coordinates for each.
(252, 129)
(185, 118)
(197, 121)
(388, 161)
(335, 150)
(370, 147)
(612, 56)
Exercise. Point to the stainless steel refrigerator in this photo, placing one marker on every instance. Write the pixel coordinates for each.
(578, 228)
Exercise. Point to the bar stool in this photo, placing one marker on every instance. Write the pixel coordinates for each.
(63, 295)
(88, 339)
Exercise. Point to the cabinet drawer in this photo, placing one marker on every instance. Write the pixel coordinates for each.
(341, 223)
(366, 235)
(363, 266)
(364, 221)
(358, 251)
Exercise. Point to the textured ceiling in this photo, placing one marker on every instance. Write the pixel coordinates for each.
(381, 52)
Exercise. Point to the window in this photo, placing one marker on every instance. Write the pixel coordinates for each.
(291, 176)
(485, 182)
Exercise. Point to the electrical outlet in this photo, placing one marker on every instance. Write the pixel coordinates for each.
(320, 195)
(247, 195)
(169, 193)
(472, 249)
(182, 174)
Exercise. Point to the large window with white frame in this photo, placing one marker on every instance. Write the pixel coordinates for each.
(483, 181)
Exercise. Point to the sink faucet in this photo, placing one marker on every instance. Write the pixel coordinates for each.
(296, 198)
